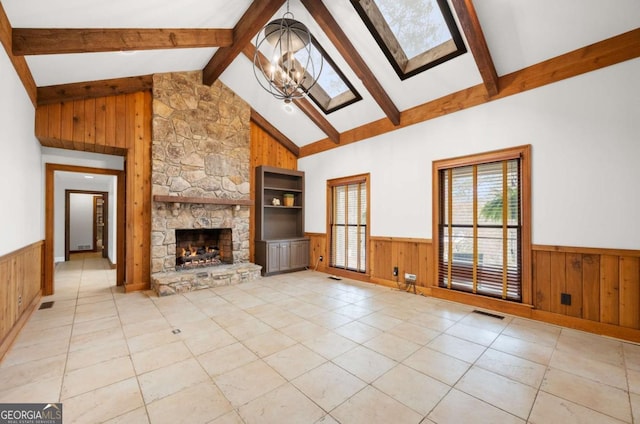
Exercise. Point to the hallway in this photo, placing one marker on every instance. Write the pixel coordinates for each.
(302, 348)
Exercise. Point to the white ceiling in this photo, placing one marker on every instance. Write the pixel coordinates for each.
(518, 33)
(84, 181)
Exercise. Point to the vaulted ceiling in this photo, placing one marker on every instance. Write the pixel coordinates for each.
(80, 48)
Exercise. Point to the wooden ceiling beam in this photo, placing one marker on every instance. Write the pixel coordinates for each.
(596, 56)
(340, 40)
(29, 41)
(19, 63)
(303, 104)
(477, 43)
(93, 89)
(260, 121)
(247, 27)
(37, 41)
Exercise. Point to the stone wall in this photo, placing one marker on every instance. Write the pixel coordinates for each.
(201, 149)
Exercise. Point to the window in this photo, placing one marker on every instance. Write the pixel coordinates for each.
(415, 35)
(483, 240)
(348, 203)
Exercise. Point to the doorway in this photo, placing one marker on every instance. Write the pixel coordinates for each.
(117, 243)
(86, 226)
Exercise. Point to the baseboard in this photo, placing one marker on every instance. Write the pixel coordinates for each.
(610, 330)
(13, 334)
(425, 291)
(499, 305)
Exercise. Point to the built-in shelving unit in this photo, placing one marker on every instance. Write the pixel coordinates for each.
(280, 244)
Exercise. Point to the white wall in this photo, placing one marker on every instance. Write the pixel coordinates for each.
(585, 137)
(80, 221)
(112, 220)
(21, 180)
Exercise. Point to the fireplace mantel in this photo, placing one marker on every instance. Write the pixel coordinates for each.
(202, 200)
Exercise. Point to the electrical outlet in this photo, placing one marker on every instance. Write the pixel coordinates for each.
(565, 299)
(321, 258)
(395, 271)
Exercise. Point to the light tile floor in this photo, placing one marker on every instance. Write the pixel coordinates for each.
(302, 348)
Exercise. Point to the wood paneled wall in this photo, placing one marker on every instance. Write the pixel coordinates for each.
(118, 125)
(20, 290)
(413, 256)
(604, 284)
(317, 248)
(265, 150)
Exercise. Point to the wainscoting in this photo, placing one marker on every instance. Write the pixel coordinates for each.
(604, 284)
(20, 290)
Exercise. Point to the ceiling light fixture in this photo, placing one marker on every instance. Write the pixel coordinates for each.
(286, 63)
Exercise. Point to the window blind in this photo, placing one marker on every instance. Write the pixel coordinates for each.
(480, 231)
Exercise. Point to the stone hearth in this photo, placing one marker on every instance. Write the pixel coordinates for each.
(172, 282)
(200, 150)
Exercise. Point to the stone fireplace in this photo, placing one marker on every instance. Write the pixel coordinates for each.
(200, 177)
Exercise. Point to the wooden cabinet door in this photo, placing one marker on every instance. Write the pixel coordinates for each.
(299, 254)
(285, 255)
(273, 257)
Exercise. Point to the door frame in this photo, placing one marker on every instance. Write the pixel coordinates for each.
(105, 219)
(48, 259)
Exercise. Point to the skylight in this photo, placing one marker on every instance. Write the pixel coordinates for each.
(332, 91)
(415, 35)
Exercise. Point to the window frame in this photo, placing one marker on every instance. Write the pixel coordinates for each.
(390, 46)
(316, 93)
(520, 152)
(344, 181)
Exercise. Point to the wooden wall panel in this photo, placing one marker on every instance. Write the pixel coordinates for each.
(117, 125)
(629, 274)
(91, 125)
(54, 125)
(20, 290)
(604, 284)
(138, 167)
(542, 280)
(591, 287)
(413, 256)
(265, 150)
(573, 285)
(317, 248)
(100, 124)
(609, 290)
(557, 276)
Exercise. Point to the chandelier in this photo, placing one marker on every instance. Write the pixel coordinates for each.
(286, 63)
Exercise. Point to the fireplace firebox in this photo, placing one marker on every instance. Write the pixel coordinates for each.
(203, 247)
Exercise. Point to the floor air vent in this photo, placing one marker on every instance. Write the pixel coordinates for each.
(46, 305)
(475, 311)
